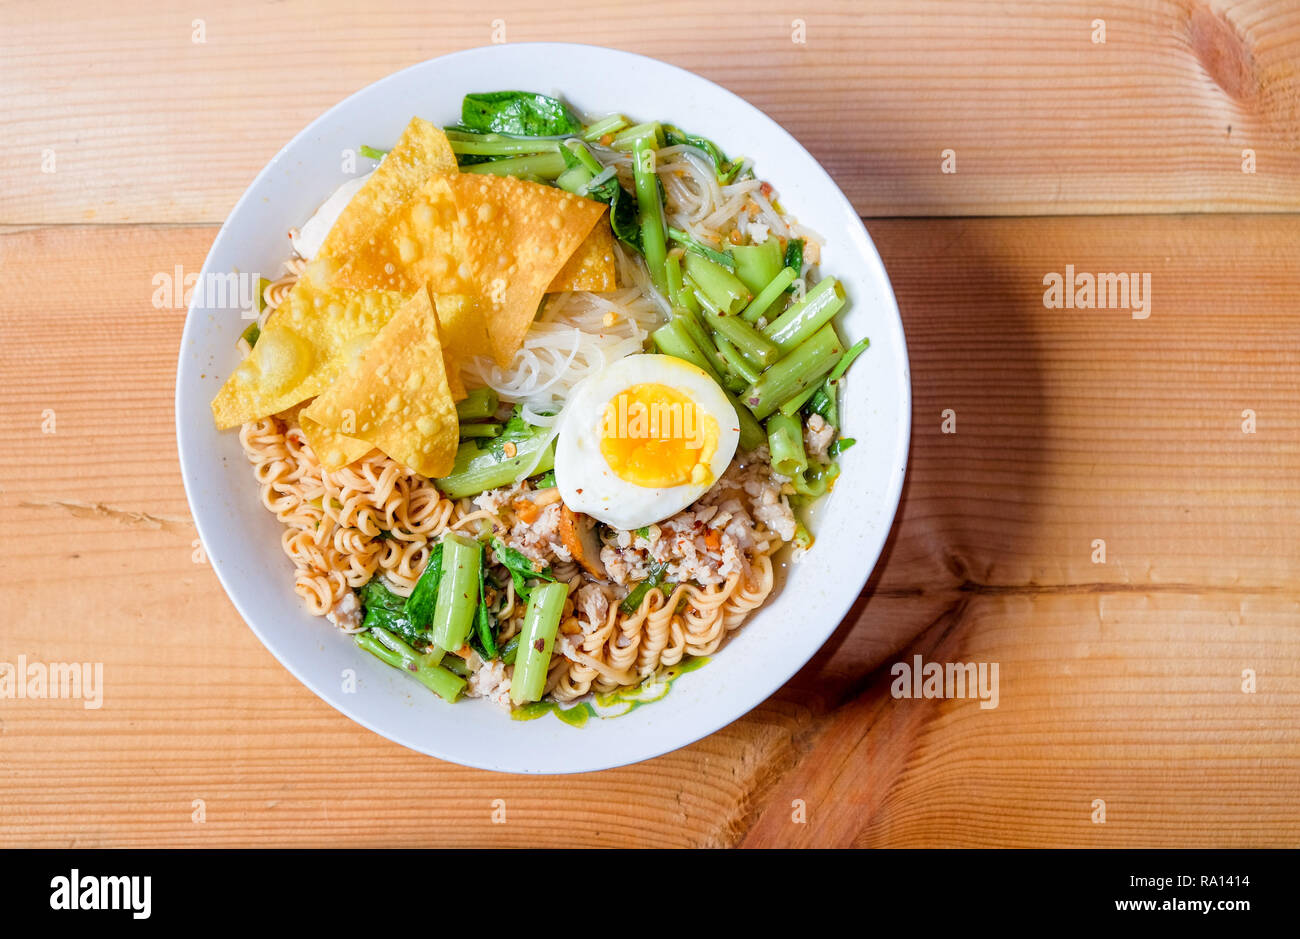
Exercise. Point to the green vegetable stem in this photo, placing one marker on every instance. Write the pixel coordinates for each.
(453, 615)
(536, 641)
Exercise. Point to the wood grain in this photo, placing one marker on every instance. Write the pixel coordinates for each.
(1119, 681)
(115, 113)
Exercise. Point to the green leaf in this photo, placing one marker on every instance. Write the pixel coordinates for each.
(252, 334)
(545, 481)
(839, 446)
(510, 650)
(633, 600)
(623, 217)
(794, 258)
(373, 153)
(571, 158)
(375, 595)
(517, 112)
(470, 159)
(484, 621)
(420, 604)
(824, 403)
(720, 258)
(520, 566)
(385, 609)
(394, 621)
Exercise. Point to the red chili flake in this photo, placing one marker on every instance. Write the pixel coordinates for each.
(766, 190)
(579, 492)
(540, 645)
(413, 667)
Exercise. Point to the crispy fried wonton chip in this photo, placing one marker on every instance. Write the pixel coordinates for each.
(592, 265)
(500, 239)
(333, 450)
(309, 339)
(412, 247)
(464, 334)
(316, 331)
(421, 151)
(396, 396)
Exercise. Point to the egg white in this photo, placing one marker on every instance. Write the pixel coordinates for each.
(587, 483)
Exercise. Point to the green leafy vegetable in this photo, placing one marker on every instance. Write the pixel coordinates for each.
(484, 621)
(424, 667)
(622, 211)
(385, 610)
(520, 566)
(472, 159)
(372, 153)
(794, 258)
(375, 595)
(251, 334)
(545, 481)
(408, 617)
(456, 665)
(517, 112)
(720, 258)
(420, 604)
(824, 402)
(632, 601)
(510, 650)
(623, 216)
(581, 167)
(840, 446)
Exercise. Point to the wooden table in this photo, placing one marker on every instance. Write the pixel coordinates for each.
(128, 141)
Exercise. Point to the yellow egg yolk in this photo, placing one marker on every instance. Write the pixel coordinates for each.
(655, 437)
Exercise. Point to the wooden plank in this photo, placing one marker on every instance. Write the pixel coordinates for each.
(118, 115)
(1071, 425)
(1128, 697)
(1090, 424)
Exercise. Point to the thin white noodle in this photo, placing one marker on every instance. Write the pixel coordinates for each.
(770, 216)
(608, 172)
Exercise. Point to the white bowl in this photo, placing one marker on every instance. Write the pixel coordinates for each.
(242, 539)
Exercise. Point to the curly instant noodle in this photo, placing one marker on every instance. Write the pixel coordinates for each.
(343, 528)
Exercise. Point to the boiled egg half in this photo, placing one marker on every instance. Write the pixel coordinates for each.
(642, 439)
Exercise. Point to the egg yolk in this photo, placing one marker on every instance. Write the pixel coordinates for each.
(654, 436)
